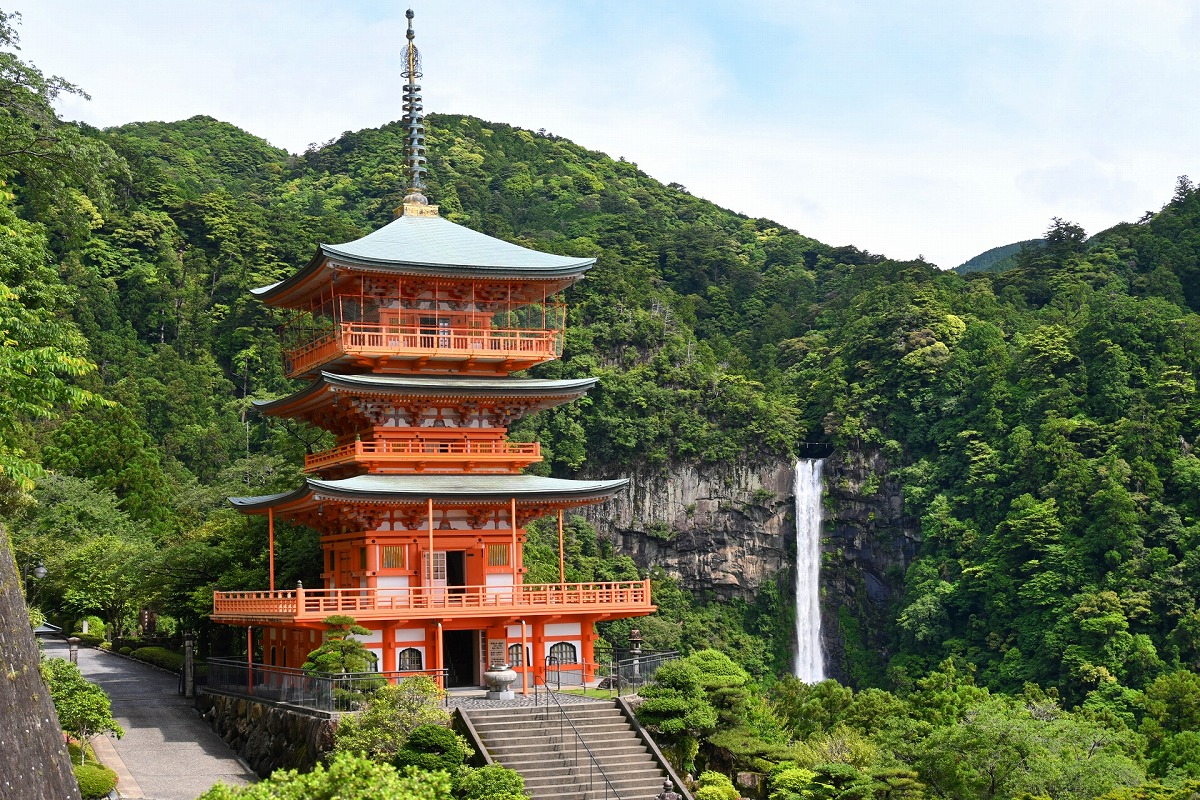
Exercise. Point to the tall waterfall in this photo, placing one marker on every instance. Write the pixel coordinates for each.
(810, 663)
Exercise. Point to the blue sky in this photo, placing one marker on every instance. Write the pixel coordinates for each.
(905, 128)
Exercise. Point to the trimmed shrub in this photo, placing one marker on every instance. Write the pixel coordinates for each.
(125, 651)
(492, 782)
(432, 747)
(159, 657)
(95, 780)
(715, 786)
(89, 639)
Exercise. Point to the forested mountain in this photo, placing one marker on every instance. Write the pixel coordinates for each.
(1042, 420)
(997, 259)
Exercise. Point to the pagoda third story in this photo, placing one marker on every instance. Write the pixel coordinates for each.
(408, 337)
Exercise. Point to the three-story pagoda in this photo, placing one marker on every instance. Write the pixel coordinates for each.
(408, 336)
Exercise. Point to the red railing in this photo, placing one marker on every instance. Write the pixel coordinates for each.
(425, 450)
(433, 601)
(361, 338)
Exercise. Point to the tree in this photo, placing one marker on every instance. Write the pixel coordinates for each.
(340, 652)
(84, 709)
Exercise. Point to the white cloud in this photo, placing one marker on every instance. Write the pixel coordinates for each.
(940, 128)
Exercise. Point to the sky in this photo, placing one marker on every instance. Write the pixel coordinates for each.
(905, 128)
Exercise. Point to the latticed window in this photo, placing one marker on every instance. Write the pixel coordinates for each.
(409, 660)
(497, 555)
(439, 565)
(393, 556)
(514, 656)
(564, 653)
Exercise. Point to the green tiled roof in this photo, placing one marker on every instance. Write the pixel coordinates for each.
(436, 246)
(433, 385)
(414, 488)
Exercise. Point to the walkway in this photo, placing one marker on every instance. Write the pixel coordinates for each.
(168, 752)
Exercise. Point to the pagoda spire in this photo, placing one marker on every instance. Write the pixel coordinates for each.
(415, 202)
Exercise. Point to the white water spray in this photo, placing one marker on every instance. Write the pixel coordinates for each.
(810, 663)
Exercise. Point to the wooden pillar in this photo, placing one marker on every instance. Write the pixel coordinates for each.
(587, 641)
(441, 665)
(429, 568)
(271, 545)
(512, 555)
(527, 677)
(562, 571)
(249, 659)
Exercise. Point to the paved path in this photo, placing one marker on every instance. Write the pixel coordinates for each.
(168, 752)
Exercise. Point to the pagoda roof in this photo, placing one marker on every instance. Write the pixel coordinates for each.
(327, 383)
(431, 246)
(410, 489)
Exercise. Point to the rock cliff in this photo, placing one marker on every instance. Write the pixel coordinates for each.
(725, 530)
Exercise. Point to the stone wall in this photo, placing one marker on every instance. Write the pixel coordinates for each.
(268, 736)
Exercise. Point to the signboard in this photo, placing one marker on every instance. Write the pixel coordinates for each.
(497, 652)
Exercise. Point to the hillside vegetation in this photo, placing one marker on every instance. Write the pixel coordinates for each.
(1042, 420)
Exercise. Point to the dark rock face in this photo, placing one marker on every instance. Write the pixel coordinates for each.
(268, 736)
(725, 530)
(33, 757)
(869, 543)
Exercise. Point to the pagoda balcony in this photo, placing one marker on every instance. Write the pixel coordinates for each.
(421, 455)
(621, 598)
(408, 349)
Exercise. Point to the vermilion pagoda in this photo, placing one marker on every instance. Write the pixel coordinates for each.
(409, 336)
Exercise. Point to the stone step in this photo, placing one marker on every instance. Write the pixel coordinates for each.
(599, 729)
(532, 766)
(626, 748)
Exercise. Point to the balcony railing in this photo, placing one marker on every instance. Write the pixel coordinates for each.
(418, 451)
(430, 602)
(404, 342)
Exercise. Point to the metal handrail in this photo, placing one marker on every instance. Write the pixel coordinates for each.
(593, 762)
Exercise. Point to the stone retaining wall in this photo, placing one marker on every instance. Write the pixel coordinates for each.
(266, 735)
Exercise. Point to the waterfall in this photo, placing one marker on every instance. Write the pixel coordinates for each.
(810, 663)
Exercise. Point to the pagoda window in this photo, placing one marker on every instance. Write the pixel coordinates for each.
(409, 660)
(362, 558)
(393, 556)
(564, 653)
(514, 656)
(497, 555)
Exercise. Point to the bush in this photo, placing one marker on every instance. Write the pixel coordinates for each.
(432, 747)
(95, 780)
(159, 657)
(382, 728)
(492, 782)
(96, 626)
(715, 786)
(125, 651)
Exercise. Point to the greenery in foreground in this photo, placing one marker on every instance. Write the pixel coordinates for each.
(944, 736)
(1042, 420)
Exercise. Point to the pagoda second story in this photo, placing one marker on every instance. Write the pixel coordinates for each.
(424, 295)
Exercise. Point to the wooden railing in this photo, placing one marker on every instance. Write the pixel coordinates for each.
(425, 450)
(362, 338)
(433, 601)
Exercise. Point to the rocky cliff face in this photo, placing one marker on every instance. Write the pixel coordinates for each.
(727, 529)
(723, 529)
(868, 544)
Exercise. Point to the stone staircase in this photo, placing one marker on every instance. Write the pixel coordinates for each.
(533, 741)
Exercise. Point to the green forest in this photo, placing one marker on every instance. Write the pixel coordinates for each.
(1041, 420)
